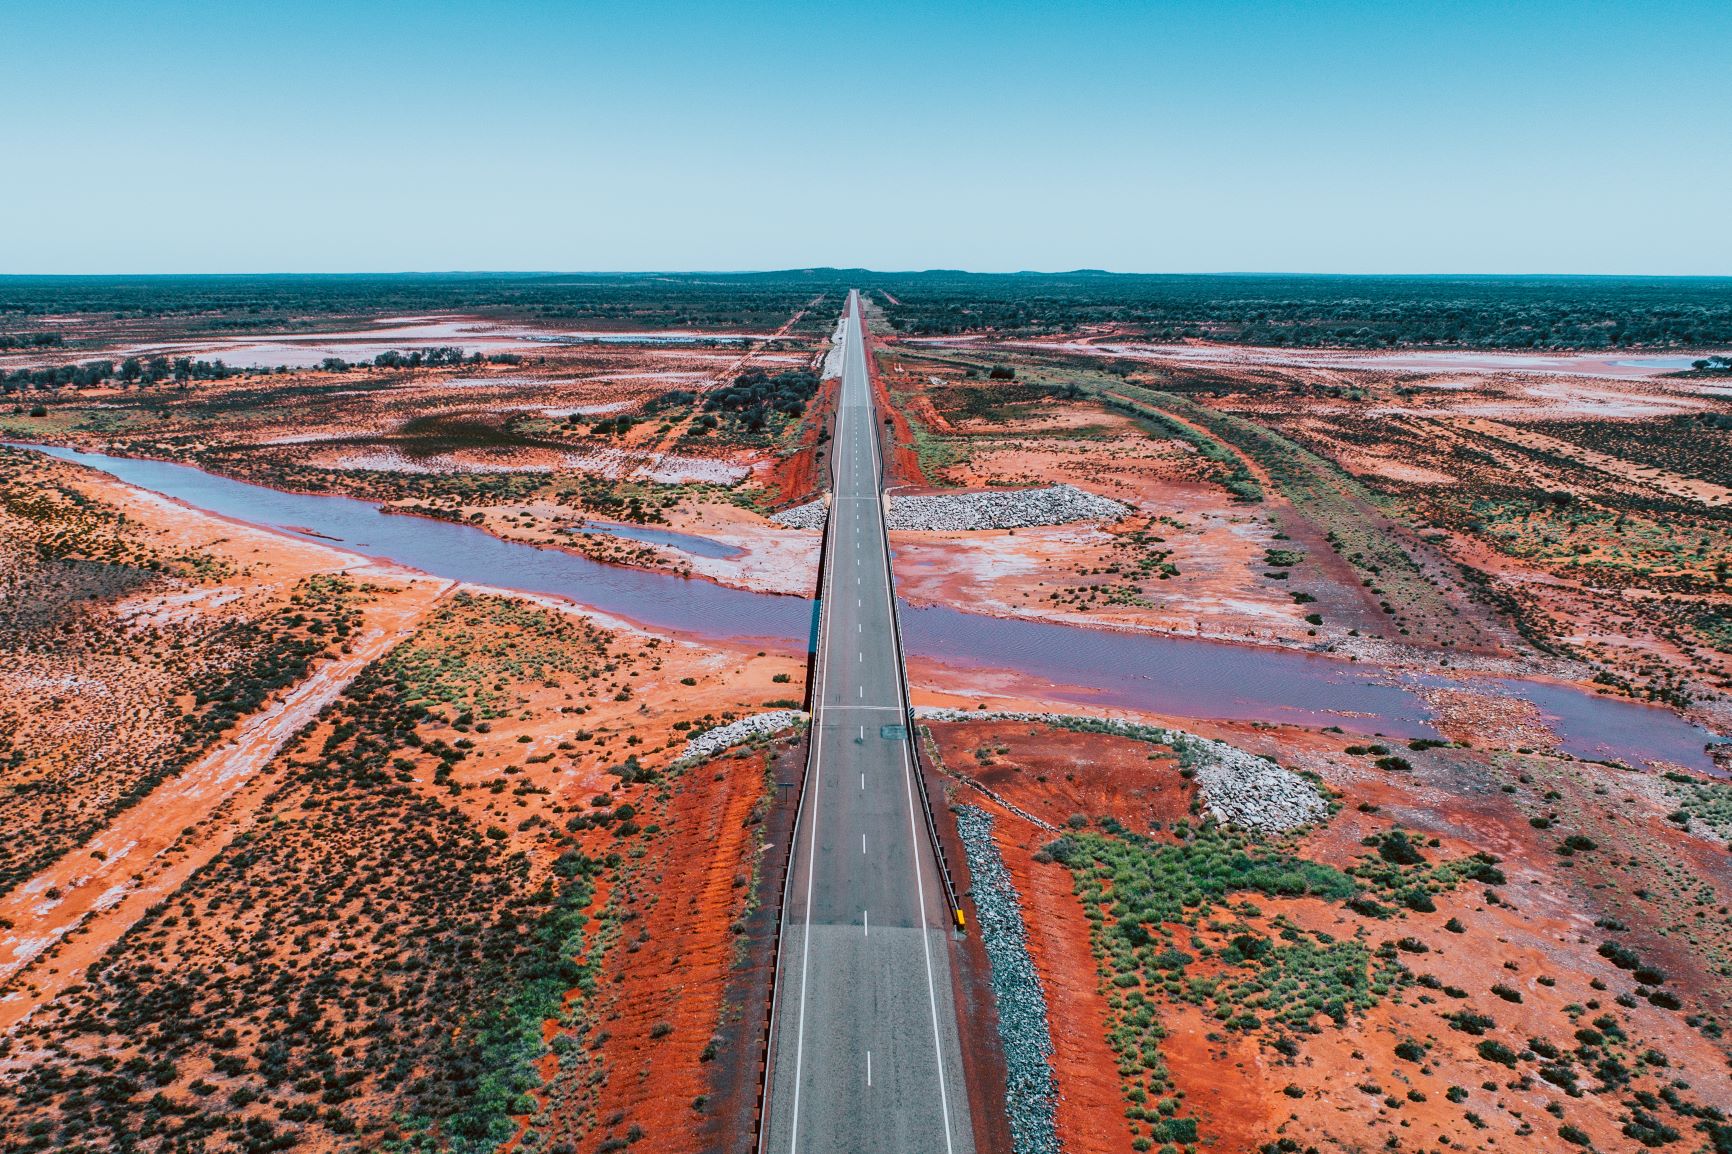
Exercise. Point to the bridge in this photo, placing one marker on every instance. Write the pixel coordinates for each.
(865, 1052)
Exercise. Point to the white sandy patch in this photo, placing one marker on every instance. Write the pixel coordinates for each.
(663, 468)
(1565, 364)
(773, 559)
(1396, 470)
(671, 469)
(308, 438)
(648, 375)
(164, 610)
(587, 410)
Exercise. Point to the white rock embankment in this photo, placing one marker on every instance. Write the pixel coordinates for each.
(993, 509)
(1031, 1092)
(808, 516)
(838, 348)
(1239, 788)
(1003, 509)
(713, 741)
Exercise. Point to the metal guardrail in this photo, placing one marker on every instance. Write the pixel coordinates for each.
(957, 917)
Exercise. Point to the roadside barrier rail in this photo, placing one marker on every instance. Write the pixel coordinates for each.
(958, 919)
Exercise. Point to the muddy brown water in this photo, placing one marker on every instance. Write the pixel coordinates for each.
(1176, 676)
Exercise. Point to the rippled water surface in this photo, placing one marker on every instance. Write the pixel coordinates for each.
(1172, 675)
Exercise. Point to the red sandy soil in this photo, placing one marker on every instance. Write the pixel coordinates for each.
(639, 703)
(1537, 938)
(1086, 1067)
(662, 983)
(1055, 774)
(901, 462)
(1116, 778)
(798, 476)
(155, 845)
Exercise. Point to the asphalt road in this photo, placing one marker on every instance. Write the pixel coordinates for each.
(866, 1054)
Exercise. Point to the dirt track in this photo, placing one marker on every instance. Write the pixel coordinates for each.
(102, 889)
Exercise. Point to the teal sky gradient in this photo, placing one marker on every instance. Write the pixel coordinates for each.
(223, 135)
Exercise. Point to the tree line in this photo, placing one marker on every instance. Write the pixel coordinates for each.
(11, 341)
(1371, 312)
(139, 371)
(437, 356)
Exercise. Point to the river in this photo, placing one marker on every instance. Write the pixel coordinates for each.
(1177, 676)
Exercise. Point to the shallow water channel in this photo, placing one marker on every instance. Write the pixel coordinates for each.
(1171, 675)
(670, 538)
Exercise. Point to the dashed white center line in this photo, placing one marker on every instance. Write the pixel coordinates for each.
(866, 922)
(862, 843)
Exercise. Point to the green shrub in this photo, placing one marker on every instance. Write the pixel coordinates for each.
(1494, 1051)
(1396, 848)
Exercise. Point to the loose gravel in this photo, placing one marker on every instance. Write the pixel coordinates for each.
(1006, 509)
(838, 348)
(808, 516)
(1009, 509)
(1239, 788)
(713, 741)
(1031, 1093)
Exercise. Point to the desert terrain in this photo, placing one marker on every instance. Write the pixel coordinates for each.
(311, 848)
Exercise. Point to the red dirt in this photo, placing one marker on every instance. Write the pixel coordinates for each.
(800, 475)
(983, 1067)
(901, 462)
(1084, 773)
(665, 976)
(1085, 1067)
(1057, 773)
(1346, 1088)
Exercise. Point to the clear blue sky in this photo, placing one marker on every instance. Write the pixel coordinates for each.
(1204, 135)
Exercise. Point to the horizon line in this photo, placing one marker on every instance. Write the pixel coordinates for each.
(814, 269)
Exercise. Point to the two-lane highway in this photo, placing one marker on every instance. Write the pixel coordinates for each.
(865, 1052)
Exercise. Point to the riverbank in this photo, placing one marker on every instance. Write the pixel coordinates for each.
(1175, 676)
